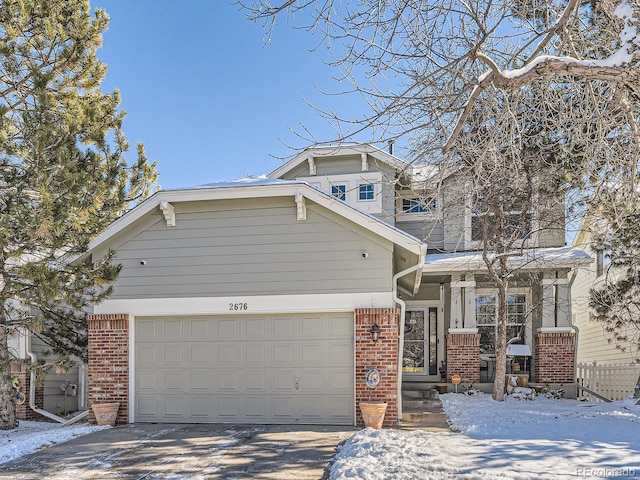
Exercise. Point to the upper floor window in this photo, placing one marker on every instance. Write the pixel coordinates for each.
(365, 192)
(517, 221)
(417, 205)
(603, 260)
(339, 191)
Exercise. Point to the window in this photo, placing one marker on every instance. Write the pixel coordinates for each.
(518, 223)
(365, 192)
(417, 205)
(603, 260)
(339, 191)
(487, 319)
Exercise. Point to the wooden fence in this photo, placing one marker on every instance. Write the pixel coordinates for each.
(615, 382)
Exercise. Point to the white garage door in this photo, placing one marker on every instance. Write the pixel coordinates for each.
(275, 369)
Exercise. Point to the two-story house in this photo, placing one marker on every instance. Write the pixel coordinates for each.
(269, 300)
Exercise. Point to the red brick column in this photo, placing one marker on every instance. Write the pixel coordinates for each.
(555, 357)
(463, 356)
(382, 355)
(20, 370)
(109, 363)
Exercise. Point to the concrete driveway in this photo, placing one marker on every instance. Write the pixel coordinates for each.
(176, 451)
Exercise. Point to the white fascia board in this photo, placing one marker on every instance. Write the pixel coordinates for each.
(335, 150)
(248, 305)
(262, 190)
(531, 259)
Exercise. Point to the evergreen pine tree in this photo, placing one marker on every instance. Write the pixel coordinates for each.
(63, 175)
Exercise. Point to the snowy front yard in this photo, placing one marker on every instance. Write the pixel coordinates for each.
(542, 439)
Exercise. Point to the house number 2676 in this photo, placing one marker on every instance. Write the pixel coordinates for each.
(238, 306)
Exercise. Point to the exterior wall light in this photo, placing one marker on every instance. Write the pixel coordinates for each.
(375, 332)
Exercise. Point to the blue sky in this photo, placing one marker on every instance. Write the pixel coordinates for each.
(203, 92)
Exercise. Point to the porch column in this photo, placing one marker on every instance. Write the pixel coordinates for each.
(109, 363)
(555, 340)
(463, 303)
(556, 301)
(381, 355)
(463, 340)
(463, 355)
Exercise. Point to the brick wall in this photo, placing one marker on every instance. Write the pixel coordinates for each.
(555, 357)
(20, 370)
(382, 355)
(463, 356)
(109, 363)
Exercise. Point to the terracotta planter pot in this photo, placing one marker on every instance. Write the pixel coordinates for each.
(106, 413)
(441, 388)
(373, 413)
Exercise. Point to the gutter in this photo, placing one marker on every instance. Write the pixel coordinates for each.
(403, 309)
(32, 391)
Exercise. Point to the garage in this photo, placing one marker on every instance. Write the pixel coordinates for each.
(275, 369)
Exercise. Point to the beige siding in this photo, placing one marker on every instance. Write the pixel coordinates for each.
(594, 344)
(57, 400)
(249, 247)
(430, 232)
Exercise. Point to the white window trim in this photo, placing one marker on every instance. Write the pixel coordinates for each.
(531, 239)
(528, 329)
(352, 182)
(434, 214)
(373, 195)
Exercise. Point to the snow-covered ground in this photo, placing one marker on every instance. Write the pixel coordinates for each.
(31, 436)
(516, 439)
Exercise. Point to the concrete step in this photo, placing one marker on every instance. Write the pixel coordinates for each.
(421, 420)
(419, 394)
(431, 405)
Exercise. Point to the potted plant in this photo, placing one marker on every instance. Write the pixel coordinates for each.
(373, 412)
(106, 413)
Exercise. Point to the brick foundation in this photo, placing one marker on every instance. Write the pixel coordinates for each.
(463, 356)
(382, 355)
(555, 357)
(20, 370)
(109, 363)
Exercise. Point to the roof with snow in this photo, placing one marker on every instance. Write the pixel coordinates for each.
(535, 258)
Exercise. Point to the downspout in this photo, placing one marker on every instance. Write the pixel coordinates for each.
(403, 309)
(575, 329)
(32, 391)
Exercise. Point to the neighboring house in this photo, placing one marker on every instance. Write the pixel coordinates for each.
(607, 367)
(257, 301)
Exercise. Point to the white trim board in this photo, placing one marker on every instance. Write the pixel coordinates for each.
(245, 305)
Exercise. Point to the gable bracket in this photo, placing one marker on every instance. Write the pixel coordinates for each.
(365, 163)
(312, 165)
(169, 213)
(301, 213)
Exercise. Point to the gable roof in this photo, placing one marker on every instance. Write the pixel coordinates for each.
(262, 187)
(345, 149)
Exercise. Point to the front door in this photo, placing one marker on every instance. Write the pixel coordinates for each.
(420, 355)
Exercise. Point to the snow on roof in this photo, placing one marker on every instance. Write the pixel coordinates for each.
(567, 257)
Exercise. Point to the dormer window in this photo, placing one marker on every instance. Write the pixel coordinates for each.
(365, 192)
(339, 191)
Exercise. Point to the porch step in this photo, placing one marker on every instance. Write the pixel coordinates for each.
(422, 409)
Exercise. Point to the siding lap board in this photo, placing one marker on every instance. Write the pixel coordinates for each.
(250, 247)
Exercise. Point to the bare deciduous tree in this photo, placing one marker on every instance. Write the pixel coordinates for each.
(543, 93)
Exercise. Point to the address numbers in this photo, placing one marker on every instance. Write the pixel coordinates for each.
(234, 307)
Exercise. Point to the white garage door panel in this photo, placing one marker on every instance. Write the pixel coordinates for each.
(253, 368)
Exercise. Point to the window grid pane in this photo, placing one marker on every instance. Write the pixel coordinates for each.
(365, 191)
(339, 191)
(486, 319)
